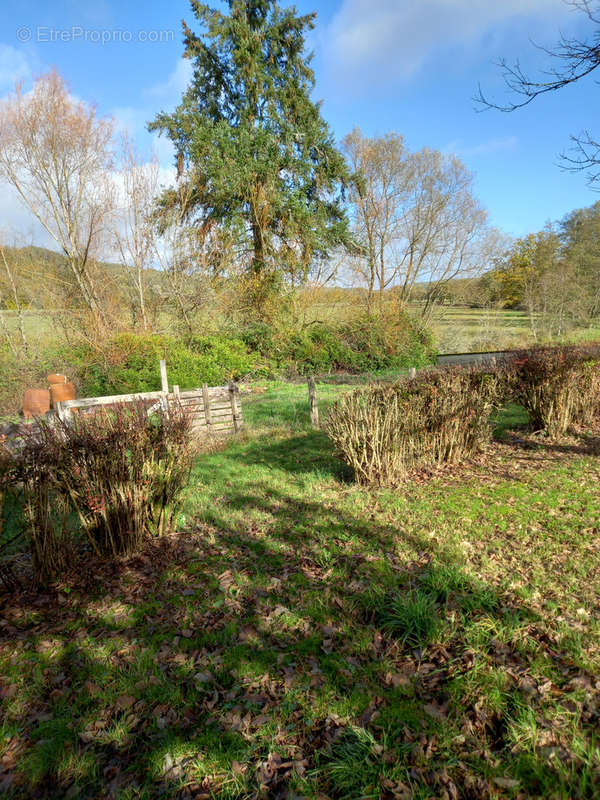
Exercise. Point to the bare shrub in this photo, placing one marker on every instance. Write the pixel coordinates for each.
(125, 473)
(117, 475)
(558, 386)
(586, 412)
(384, 432)
(31, 471)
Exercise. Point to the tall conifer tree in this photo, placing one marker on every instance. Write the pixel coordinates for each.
(247, 133)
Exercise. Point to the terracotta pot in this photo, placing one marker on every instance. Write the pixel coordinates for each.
(36, 403)
(56, 378)
(62, 391)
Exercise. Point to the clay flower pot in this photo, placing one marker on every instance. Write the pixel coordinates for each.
(61, 391)
(56, 378)
(36, 403)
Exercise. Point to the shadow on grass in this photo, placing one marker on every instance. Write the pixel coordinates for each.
(299, 657)
(309, 452)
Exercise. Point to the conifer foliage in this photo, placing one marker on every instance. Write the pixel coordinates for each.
(262, 159)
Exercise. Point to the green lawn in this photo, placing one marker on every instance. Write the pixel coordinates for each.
(305, 638)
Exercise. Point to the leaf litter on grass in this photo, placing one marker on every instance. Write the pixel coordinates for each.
(308, 639)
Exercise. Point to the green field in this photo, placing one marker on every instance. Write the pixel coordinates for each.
(455, 329)
(303, 637)
(460, 329)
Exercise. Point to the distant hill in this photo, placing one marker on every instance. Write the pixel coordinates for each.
(42, 275)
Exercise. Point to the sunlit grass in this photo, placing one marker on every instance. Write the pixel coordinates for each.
(311, 636)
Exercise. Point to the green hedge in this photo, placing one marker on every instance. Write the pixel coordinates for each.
(368, 343)
(129, 363)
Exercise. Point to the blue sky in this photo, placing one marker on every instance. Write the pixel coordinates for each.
(410, 66)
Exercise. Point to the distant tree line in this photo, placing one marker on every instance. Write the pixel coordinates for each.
(553, 275)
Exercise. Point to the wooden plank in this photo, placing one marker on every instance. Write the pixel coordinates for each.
(90, 402)
(213, 391)
(213, 407)
(153, 408)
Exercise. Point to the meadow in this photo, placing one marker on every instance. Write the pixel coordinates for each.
(462, 329)
(302, 637)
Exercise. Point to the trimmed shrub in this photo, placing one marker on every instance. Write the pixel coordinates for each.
(558, 386)
(44, 513)
(586, 410)
(384, 432)
(116, 475)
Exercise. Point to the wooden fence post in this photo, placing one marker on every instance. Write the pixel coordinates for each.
(412, 372)
(234, 391)
(163, 376)
(206, 400)
(312, 399)
(64, 414)
(176, 396)
(164, 400)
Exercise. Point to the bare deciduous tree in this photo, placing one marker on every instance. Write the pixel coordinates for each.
(56, 153)
(416, 219)
(381, 180)
(189, 253)
(15, 302)
(134, 234)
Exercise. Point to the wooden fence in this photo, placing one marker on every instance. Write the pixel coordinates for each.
(215, 410)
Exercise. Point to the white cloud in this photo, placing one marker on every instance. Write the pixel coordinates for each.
(134, 119)
(17, 223)
(489, 147)
(18, 226)
(170, 91)
(14, 66)
(395, 38)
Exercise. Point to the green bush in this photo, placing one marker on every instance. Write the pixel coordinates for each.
(389, 341)
(319, 349)
(558, 386)
(128, 363)
(369, 343)
(383, 432)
